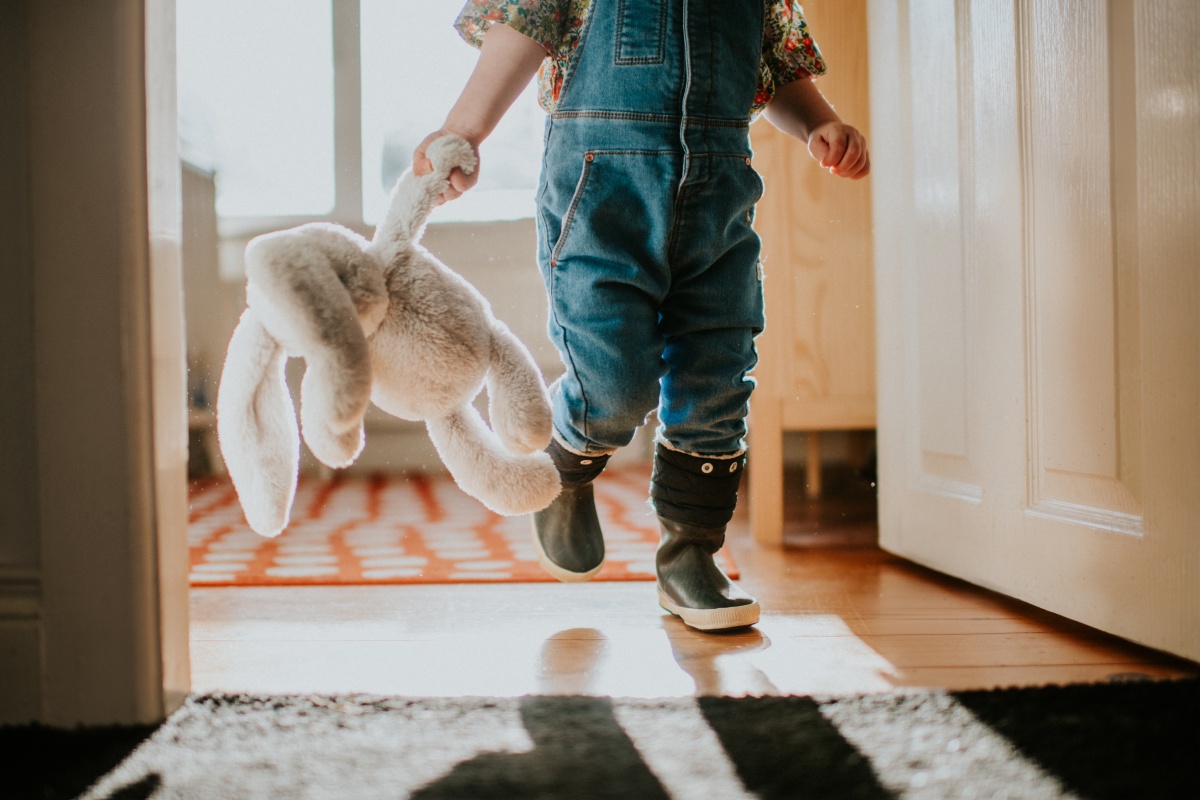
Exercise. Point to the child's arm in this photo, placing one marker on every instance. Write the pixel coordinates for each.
(507, 62)
(800, 110)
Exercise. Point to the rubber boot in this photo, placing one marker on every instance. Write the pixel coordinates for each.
(694, 497)
(691, 585)
(566, 534)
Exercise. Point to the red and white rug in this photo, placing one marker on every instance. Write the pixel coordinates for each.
(404, 529)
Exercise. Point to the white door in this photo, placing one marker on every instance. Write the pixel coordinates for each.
(1037, 206)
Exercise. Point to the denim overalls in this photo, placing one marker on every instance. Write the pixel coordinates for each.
(644, 225)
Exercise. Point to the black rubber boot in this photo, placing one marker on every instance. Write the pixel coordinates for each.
(691, 585)
(567, 535)
(695, 498)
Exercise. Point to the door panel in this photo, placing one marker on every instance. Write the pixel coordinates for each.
(1039, 343)
(1085, 454)
(938, 274)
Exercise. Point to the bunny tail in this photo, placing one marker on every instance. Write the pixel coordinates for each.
(505, 483)
(414, 198)
(256, 426)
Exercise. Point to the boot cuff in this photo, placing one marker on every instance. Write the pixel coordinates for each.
(575, 469)
(695, 490)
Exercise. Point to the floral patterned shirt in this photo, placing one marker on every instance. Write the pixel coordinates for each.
(788, 52)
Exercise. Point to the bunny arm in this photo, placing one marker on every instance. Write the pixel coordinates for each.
(319, 292)
(256, 426)
(518, 403)
(505, 483)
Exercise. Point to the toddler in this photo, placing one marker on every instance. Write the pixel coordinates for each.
(645, 242)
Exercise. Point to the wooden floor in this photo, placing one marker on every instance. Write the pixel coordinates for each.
(839, 616)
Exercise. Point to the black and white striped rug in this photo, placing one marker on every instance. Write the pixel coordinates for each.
(1128, 740)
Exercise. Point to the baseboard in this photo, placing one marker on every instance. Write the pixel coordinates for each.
(20, 645)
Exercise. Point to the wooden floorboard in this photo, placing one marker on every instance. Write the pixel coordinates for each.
(840, 615)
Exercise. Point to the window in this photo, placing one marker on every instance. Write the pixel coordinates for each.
(256, 102)
(311, 108)
(413, 66)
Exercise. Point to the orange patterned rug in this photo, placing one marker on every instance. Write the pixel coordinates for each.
(404, 529)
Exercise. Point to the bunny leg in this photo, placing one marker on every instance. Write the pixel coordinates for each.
(507, 484)
(319, 293)
(256, 426)
(518, 403)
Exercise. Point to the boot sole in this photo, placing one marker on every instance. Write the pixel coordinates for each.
(560, 573)
(712, 619)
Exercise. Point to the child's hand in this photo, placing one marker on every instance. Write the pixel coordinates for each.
(460, 182)
(841, 149)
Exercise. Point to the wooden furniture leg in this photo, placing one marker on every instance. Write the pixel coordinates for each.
(766, 471)
(812, 464)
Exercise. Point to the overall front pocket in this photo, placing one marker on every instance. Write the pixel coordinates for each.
(620, 209)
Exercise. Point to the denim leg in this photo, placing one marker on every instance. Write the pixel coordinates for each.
(608, 336)
(712, 315)
(706, 392)
(603, 224)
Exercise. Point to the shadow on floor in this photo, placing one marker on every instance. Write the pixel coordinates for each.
(50, 763)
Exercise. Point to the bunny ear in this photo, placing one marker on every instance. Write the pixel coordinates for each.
(256, 426)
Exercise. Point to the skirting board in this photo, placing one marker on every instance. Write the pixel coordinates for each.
(20, 646)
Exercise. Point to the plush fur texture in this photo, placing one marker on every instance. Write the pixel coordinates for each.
(380, 321)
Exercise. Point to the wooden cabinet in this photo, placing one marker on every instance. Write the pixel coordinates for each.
(817, 355)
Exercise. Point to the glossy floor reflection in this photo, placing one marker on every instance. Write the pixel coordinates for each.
(835, 620)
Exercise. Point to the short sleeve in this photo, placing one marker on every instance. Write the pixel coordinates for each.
(543, 21)
(789, 52)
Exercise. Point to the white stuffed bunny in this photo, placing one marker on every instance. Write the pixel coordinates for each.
(380, 321)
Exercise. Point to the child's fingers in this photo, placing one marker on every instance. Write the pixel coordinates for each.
(855, 161)
(459, 181)
(817, 148)
(851, 160)
(462, 181)
(853, 153)
(836, 151)
(854, 170)
(421, 165)
(864, 167)
(847, 169)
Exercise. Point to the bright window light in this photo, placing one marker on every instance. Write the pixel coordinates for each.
(256, 102)
(413, 66)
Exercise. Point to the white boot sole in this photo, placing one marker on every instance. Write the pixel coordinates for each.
(712, 619)
(557, 572)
